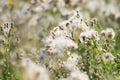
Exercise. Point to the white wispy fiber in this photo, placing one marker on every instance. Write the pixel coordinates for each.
(77, 21)
(60, 31)
(71, 62)
(33, 71)
(89, 34)
(60, 44)
(60, 38)
(77, 75)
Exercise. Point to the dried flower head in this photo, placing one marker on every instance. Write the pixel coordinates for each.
(108, 33)
(60, 44)
(33, 71)
(6, 28)
(89, 34)
(108, 57)
(77, 75)
(71, 62)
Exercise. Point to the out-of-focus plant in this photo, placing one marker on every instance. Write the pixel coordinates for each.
(7, 46)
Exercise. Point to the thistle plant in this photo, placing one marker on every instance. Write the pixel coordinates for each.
(79, 47)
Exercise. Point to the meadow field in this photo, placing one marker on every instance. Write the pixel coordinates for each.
(59, 39)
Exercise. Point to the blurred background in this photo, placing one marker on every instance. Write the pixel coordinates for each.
(33, 19)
